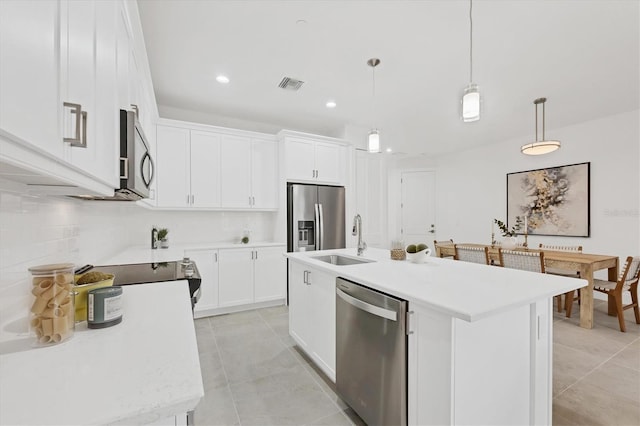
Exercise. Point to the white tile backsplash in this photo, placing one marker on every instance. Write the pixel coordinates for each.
(42, 230)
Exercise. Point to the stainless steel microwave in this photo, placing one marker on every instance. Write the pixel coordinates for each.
(136, 164)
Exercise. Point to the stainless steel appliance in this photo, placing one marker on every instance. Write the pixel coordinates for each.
(135, 162)
(315, 217)
(371, 353)
(141, 273)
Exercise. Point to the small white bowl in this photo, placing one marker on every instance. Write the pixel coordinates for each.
(419, 257)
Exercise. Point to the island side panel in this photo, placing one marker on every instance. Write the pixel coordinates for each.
(492, 369)
(430, 378)
(541, 326)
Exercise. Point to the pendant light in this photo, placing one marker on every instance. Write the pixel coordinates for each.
(374, 136)
(543, 146)
(471, 95)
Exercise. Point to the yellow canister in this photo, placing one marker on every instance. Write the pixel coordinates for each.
(81, 291)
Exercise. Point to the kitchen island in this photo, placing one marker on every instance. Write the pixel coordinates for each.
(143, 370)
(479, 337)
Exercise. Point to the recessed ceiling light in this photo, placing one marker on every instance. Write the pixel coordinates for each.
(388, 149)
(222, 79)
(301, 21)
(331, 104)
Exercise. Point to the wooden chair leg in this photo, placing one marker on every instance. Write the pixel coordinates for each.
(559, 302)
(568, 303)
(634, 300)
(620, 311)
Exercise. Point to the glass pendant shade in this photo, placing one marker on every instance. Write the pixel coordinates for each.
(471, 103)
(374, 141)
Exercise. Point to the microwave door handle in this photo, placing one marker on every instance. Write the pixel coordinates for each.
(145, 157)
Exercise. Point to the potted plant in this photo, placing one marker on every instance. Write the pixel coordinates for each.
(162, 236)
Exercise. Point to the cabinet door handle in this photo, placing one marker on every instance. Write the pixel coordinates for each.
(193, 197)
(76, 109)
(256, 252)
(308, 277)
(84, 131)
(249, 200)
(304, 277)
(253, 201)
(188, 198)
(215, 257)
(317, 174)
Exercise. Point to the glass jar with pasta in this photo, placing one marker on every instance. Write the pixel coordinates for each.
(52, 313)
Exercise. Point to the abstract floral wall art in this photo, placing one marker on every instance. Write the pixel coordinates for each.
(555, 200)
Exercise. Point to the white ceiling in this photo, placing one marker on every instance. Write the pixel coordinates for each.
(584, 56)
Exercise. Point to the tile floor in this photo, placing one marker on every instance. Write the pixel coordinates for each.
(254, 375)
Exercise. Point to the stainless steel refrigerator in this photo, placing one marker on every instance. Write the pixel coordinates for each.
(315, 217)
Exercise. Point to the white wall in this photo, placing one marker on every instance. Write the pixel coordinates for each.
(471, 186)
(43, 230)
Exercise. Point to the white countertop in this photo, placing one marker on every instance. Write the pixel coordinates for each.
(144, 369)
(463, 290)
(144, 254)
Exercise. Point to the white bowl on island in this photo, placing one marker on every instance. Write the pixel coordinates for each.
(420, 256)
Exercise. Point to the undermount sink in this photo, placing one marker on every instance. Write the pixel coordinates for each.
(336, 259)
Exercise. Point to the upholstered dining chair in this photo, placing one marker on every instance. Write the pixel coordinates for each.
(568, 297)
(472, 254)
(439, 243)
(628, 281)
(525, 260)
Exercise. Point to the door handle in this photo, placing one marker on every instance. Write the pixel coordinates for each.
(367, 307)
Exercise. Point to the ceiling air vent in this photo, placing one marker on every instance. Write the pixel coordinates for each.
(288, 83)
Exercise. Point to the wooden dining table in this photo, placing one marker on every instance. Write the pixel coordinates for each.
(585, 263)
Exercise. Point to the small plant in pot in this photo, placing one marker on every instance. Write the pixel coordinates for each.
(162, 236)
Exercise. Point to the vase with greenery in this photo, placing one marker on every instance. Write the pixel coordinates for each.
(162, 236)
(506, 232)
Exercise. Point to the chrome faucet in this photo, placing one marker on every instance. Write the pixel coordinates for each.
(357, 230)
(154, 238)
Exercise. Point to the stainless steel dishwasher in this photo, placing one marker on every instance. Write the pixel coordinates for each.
(371, 353)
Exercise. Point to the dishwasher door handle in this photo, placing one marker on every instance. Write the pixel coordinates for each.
(367, 307)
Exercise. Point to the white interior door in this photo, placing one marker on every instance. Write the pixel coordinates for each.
(418, 207)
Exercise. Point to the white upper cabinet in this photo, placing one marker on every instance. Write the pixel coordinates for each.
(249, 173)
(173, 170)
(29, 74)
(89, 84)
(264, 173)
(300, 160)
(223, 170)
(313, 160)
(328, 162)
(236, 172)
(188, 166)
(205, 169)
(65, 71)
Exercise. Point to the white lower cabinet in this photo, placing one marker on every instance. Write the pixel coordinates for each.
(235, 279)
(269, 274)
(207, 264)
(236, 276)
(312, 314)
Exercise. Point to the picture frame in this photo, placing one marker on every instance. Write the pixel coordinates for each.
(554, 200)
